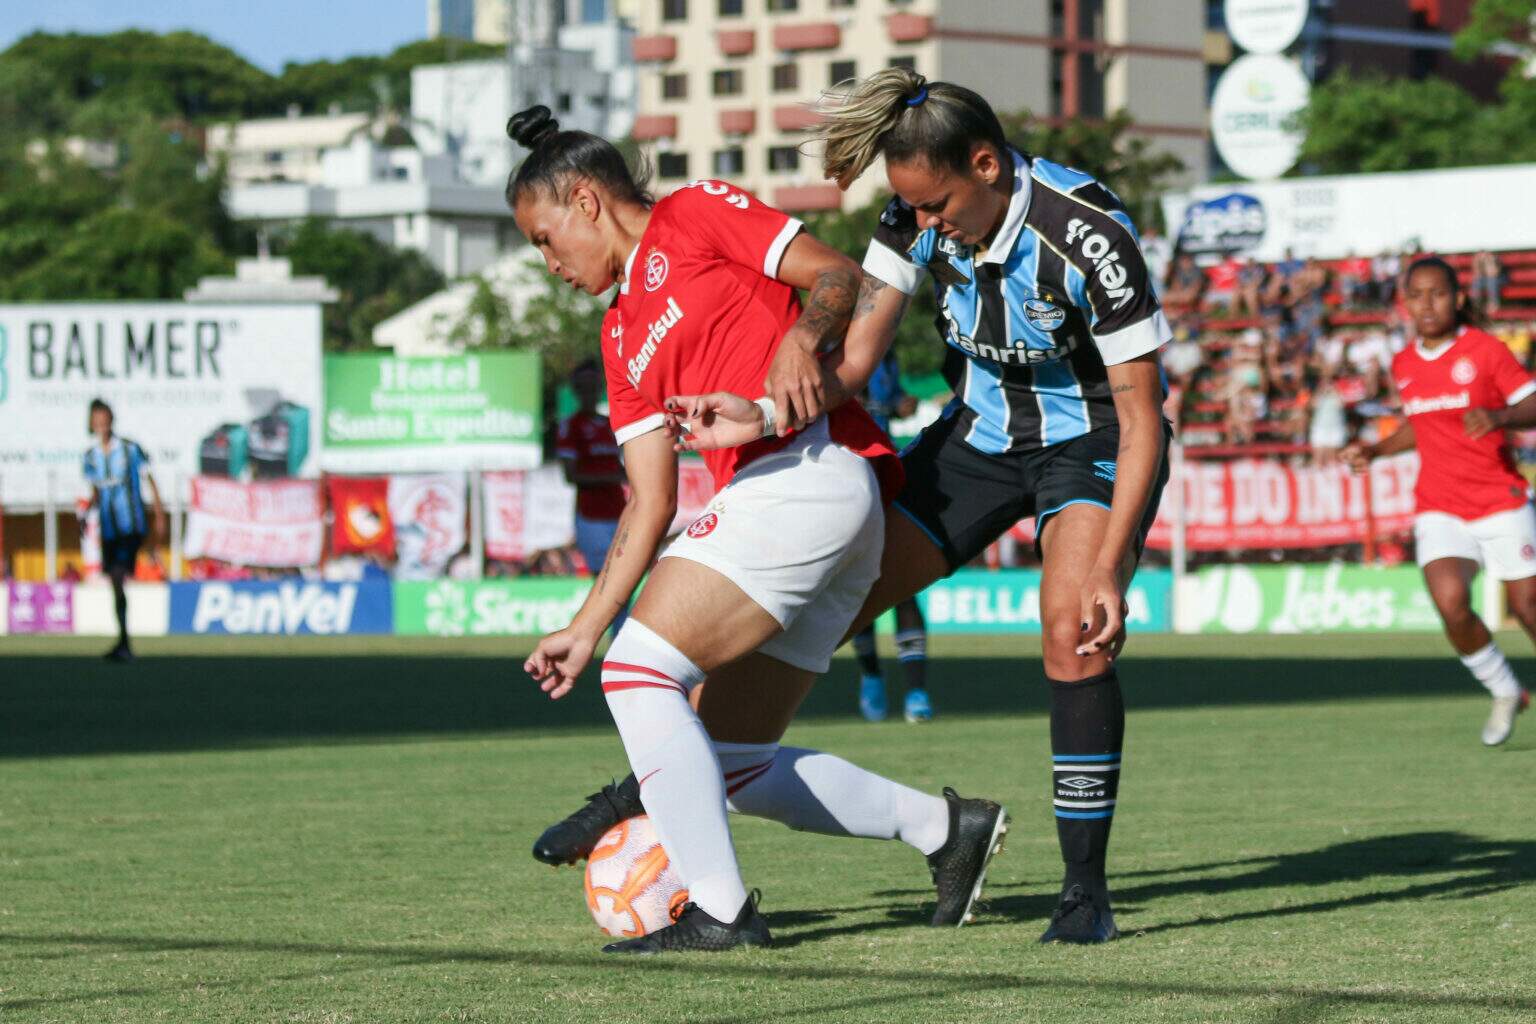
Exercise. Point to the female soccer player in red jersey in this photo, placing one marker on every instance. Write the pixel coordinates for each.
(1461, 390)
(759, 591)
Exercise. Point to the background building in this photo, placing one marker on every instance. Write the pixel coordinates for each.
(726, 85)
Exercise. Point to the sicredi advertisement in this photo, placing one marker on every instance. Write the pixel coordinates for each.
(221, 390)
(385, 413)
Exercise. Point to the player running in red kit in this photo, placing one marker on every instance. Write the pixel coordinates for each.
(1461, 390)
(759, 591)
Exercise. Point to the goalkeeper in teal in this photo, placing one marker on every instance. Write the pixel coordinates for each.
(885, 400)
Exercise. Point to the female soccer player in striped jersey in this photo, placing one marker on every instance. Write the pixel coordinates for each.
(1052, 330)
(1461, 390)
(760, 590)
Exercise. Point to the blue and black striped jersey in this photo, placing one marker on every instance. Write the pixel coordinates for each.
(116, 474)
(1032, 321)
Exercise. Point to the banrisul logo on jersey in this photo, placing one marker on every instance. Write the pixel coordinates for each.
(1222, 226)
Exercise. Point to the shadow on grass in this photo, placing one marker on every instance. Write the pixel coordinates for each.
(1476, 867)
(73, 705)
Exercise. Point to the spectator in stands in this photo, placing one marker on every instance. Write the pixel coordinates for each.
(1354, 280)
(1187, 286)
(1222, 287)
(1384, 271)
(1246, 404)
(1329, 429)
(1281, 288)
(1487, 281)
(1250, 287)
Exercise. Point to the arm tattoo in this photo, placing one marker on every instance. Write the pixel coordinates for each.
(869, 290)
(830, 303)
(1120, 389)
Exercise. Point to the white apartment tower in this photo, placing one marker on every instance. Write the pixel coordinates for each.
(727, 86)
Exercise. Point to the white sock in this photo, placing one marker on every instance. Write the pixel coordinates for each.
(1492, 670)
(816, 792)
(646, 681)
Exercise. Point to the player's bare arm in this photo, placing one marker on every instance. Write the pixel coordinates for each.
(1519, 416)
(1358, 456)
(561, 656)
(795, 380)
(1138, 396)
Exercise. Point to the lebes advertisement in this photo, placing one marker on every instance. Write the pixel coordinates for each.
(391, 414)
(275, 524)
(219, 390)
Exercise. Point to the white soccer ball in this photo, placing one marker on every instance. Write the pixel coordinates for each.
(632, 889)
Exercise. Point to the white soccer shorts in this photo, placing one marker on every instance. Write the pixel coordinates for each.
(1505, 542)
(801, 531)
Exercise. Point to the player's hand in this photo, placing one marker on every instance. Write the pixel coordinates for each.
(558, 660)
(906, 407)
(701, 423)
(1102, 602)
(795, 384)
(1356, 456)
(1479, 422)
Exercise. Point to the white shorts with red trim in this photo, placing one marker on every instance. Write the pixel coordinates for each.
(801, 531)
(1504, 542)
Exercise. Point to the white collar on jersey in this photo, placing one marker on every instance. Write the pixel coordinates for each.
(1431, 355)
(629, 269)
(1018, 205)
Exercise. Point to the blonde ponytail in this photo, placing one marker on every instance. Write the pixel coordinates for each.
(899, 114)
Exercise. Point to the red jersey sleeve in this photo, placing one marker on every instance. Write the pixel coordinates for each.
(735, 224)
(1513, 380)
(629, 414)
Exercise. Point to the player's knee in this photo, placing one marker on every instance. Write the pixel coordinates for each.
(1062, 636)
(1523, 607)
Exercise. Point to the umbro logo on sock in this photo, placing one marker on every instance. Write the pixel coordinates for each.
(1080, 782)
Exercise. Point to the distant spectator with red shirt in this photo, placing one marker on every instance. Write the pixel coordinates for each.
(1462, 390)
(1487, 280)
(586, 448)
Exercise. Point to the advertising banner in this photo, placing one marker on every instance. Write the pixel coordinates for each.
(510, 607)
(387, 413)
(39, 608)
(226, 390)
(275, 524)
(1260, 503)
(428, 513)
(360, 521)
(1308, 599)
(1362, 214)
(527, 511)
(1008, 601)
(281, 608)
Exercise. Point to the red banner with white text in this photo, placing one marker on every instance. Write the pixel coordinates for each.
(270, 523)
(1239, 504)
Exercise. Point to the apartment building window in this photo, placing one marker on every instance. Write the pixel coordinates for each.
(786, 77)
(840, 71)
(729, 161)
(729, 8)
(593, 11)
(727, 82)
(674, 10)
(908, 62)
(672, 165)
(674, 87)
(783, 158)
(842, 3)
(775, 6)
(563, 103)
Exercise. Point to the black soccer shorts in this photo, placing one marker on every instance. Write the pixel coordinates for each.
(964, 499)
(121, 552)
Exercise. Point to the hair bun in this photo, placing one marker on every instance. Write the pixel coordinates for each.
(528, 128)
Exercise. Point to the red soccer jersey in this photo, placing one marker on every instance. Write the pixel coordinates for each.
(702, 309)
(588, 442)
(1465, 477)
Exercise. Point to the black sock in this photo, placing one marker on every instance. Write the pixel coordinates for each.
(864, 647)
(120, 602)
(1087, 728)
(912, 652)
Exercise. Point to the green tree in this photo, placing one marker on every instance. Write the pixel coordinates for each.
(359, 83)
(375, 281)
(122, 253)
(1502, 24)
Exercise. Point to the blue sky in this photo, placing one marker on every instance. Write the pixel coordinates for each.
(265, 32)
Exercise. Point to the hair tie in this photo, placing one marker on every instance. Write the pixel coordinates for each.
(922, 94)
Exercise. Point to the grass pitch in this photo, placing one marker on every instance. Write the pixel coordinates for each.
(328, 831)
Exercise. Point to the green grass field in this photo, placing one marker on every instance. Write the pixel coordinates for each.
(331, 831)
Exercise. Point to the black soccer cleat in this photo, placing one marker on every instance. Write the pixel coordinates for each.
(120, 652)
(1081, 918)
(694, 930)
(571, 840)
(959, 867)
